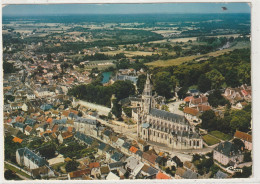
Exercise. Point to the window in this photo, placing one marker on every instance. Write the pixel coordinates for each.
(144, 132)
(158, 134)
(198, 143)
(170, 140)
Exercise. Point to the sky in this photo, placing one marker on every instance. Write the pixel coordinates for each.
(173, 8)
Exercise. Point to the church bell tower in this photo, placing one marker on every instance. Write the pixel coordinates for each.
(147, 96)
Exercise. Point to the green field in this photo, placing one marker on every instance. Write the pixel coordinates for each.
(220, 135)
(209, 140)
(180, 60)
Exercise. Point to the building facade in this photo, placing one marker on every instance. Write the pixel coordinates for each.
(164, 127)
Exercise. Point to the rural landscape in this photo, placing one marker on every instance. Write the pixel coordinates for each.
(127, 96)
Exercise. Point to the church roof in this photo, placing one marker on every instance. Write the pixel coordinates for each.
(168, 116)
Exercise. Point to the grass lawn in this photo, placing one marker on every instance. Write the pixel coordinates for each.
(7, 166)
(210, 140)
(221, 135)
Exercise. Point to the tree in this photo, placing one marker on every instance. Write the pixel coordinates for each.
(232, 78)
(127, 111)
(182, 93)
(244, 73)
(10, 175)
(240, 120)
(247, 156)
(209, 120)
(117, 108)
(177, 49)
(71, 166)
(123, 89)
(49, 57)
(163, 84)
(215, 99)
(246, 172)
(204, 84)
(239, 143)
(8, 68)
(216, 78)
(140, 83)
(48, 151)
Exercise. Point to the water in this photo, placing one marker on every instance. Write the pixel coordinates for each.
(106, 76)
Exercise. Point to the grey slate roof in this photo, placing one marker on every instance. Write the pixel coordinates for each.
(85, 120)
(126, 145)
(228, 149)
(152, 171)
(19, 125)
(107, 133)
(102, 146)
(115, 165)
(117, 156)
(189, 174)
(139, 152)
(220, 175)
(168, 116)
(39, 161)
(86, 139)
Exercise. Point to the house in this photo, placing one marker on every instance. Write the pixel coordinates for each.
(19, 126)
(27, 130)
(161, 175)
(192, 115)
(86, 126)
(16, 139)
(133, 150)
(106, 136)
(101, 148)
(43, 172)
(143, 145)
(65, 136)
(112, 176)
(246, 138)
(78, 174)
(82, 138)
(104, 171)
(189, 165)
(116, 157)
(131, 164)
(120, 141)
(125, 147)
(220, 175)
(26, 157)
(149, 172)
(227, 152)
(179, 173)
(115, 165)
(150, 157)
(160, 161)
(189, 174)
(193, 92)
(94, 165)
(198, 101)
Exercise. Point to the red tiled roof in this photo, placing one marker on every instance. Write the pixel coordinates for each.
(160, 175)
(203, 107)
(49, 120)
(199, 100)
(66, 113)
(188, 98)
(133, 149)
(243, 135)
(80, 173)
(191, 111)
(16, 139)
(94, 165)
(28, 128)
(66, 135)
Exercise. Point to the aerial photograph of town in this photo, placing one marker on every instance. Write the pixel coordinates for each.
(127, 91)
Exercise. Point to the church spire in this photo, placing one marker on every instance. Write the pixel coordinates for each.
(147, 87)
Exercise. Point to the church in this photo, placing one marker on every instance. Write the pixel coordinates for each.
(164, 127)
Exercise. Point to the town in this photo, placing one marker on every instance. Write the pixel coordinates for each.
(116, 100)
